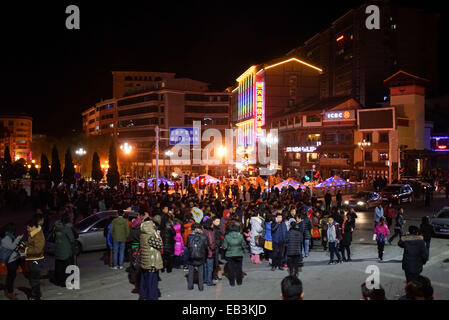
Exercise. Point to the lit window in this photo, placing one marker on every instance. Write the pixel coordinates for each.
(111, 125)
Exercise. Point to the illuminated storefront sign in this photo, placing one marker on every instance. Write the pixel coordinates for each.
(307, 149)
(260, 108)
(339, 115)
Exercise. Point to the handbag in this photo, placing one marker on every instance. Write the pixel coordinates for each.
(268, 245)
(316, 233)
(260, 241)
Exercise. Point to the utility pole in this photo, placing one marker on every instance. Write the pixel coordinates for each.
(157, 157)
(158, 130)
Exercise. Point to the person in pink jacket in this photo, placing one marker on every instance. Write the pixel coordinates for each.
(381, 231)
(179, 246)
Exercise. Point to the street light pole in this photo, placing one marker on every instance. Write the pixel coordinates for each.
(157, 157)
(362, 145)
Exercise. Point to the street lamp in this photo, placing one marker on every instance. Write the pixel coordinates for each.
(362, 145)
(80, 152)
(126, 148)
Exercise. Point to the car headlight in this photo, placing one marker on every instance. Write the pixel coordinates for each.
(346, 202)
(360, 203)
(395, 196)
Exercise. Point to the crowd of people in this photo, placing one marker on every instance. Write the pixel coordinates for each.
(279, 227)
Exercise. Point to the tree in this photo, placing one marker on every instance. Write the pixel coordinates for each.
(55, 174)
(6, 166)
(69, 169)
(97, 173)
(19, 169)
(44, 173)
(113, 175)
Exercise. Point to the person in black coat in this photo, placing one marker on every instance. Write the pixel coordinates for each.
(345, 244)
(328, 200)
(426, 230)
(294, 246)
(415, 253)
(339, 199)
(307, 235)
(168, 239)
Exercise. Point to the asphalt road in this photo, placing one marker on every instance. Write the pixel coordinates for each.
(320, 280)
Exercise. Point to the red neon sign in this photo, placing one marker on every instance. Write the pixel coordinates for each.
(260, 106)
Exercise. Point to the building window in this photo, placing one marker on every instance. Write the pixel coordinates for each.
(313, 118)
(383, 156)
(312, 157)
(368, 137)
(383, 137)
(368, 156)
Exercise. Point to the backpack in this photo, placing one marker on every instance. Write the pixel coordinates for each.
(5, 254)
(197, 247)
(338, 233)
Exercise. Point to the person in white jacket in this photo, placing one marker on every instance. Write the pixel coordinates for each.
(257, 223)
(10, 241)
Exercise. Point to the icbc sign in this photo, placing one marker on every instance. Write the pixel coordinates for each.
(339, 115)
(260, 106)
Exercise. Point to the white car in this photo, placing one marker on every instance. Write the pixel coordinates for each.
(440, 222)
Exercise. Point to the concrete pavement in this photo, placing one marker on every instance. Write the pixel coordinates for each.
(320, 280)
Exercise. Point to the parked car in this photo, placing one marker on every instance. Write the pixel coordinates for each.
(440, 222)
(364, 200)
(397, 193)
(90, 231)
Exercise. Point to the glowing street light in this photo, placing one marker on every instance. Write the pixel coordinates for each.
(362, 145)
(80, 152)
(222, 151)
(126, 148)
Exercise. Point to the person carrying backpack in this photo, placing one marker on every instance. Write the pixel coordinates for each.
(197, 244)
(381, 231)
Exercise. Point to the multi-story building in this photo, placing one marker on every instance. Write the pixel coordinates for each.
(325, 134)
(265, 90)
(144, 100)
(356, 60)
(16, 132)
(101, 118)
(318, 135)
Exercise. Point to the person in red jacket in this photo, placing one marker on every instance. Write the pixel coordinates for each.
(389, 213)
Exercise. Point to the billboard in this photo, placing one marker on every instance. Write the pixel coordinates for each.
(376, 119)
(184, 136)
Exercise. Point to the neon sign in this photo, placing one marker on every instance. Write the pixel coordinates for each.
(339, 115)
(307, 149)
(260, 108)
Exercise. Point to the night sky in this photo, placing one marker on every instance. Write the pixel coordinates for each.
(53, 73)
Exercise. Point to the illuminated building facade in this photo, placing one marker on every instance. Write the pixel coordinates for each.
(101, 119)
(265, 90)
(16, 131)
(144, 100)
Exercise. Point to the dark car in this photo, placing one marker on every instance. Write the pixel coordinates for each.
(397, 193)
(440, 222)
(364, 200)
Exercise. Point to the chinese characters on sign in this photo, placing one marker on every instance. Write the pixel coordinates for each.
(260, 106)
(307, 149)
(184, 136)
